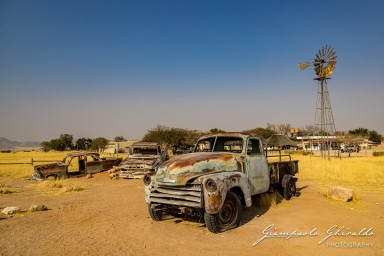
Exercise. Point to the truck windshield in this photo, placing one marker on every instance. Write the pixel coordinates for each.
(145, 151)
(220, 144)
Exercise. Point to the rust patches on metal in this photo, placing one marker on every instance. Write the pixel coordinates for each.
(60, 169)
(190, 159)
(144, 158)
(233, 176)
(214, 202)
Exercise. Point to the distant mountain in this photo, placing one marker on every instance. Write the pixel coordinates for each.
(6, 144)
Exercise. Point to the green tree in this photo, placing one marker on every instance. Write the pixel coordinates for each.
(263, 132)
(363, 132)
(66, 141)
(83, 143)
(99, 143)
(172, 137)
(119, 139)
(375, 137)
(367, 134)
(46, 146)
(215, 130)
(57, 144)
(158, 134)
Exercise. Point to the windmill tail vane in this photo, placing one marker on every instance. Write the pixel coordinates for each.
(303, 65)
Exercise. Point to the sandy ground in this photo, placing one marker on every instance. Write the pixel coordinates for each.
(110, 218)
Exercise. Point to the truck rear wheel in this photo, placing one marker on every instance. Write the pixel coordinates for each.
(289, 186)
(155, 215)
(227, 218)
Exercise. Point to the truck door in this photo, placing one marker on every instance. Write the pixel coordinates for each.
(93, 165)
(257, 167)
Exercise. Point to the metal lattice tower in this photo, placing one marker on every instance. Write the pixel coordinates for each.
(324, 117)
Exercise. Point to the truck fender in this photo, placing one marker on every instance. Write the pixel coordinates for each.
(217, 185)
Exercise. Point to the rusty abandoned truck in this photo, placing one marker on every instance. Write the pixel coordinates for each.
(143, 158)
(75, 164)
(222, 174)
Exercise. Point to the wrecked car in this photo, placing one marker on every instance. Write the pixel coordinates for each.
(222, 174)
(75, 164)
(143, 158)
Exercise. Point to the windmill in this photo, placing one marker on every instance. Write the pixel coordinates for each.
(324, 64)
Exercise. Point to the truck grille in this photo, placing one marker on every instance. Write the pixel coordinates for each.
(189, 196)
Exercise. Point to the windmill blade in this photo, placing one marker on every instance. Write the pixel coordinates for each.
(303, 65)
(332, 55)
(329, 53)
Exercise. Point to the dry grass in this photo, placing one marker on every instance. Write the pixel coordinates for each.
(268, 200)
(356, 172)
(60, 186)
(6, 189)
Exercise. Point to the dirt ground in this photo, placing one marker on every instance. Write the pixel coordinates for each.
(110, 218)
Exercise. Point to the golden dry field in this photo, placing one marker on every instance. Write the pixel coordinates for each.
(356, 172)
(359, 172)
(102, 216)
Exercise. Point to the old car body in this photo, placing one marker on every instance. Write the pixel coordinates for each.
(224, 171)
(75, 164)
(143, 158)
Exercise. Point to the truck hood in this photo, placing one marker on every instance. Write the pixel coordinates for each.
(139, 160)
(181, 169)
(49, 166)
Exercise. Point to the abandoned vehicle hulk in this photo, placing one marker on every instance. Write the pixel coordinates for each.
(75, 164)
(222, 174)
(143, 158)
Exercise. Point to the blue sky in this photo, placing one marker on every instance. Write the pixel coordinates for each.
(108, 68)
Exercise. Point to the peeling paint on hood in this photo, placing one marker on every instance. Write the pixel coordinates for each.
(181, 169)
(139, 160)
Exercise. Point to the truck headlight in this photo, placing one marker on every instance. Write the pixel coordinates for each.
(210, 185)
(147, 179)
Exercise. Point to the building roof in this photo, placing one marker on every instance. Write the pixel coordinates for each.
(279, 140)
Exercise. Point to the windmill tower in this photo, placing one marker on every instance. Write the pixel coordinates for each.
(324, 64)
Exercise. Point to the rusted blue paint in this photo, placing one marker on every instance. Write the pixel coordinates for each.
(184, 168)
(225, 182)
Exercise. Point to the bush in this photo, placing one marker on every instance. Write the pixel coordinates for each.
(378, 153)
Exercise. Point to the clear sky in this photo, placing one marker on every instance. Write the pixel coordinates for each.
(109, 68)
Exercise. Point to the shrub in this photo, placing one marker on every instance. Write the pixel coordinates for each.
(378, 153)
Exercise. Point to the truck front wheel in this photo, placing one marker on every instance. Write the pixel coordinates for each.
(227, 218)
(155, 215)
